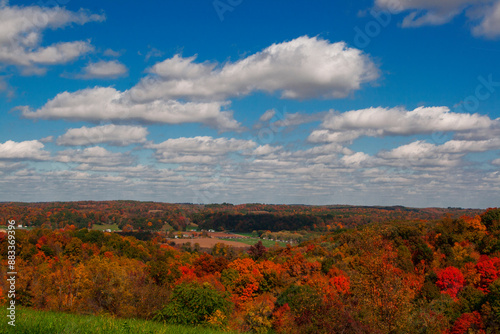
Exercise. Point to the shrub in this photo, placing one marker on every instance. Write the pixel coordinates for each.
(194, 303)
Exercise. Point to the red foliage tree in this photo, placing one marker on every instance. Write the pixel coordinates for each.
(467, 322)
(488, 269)
(450, 281)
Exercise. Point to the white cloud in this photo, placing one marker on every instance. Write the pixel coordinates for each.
(104, 70)
(355, 160)
(484, 13)
(152, 53)
(302, 68)
(8, 167)
(274, 120)
(293, 119)
(203, 150)
(48, 139)
(112, 53)
(25, 150)
(496, 162)
(118, 135)
(299, 69)
(466, 146)
(108, 104)
(267, 115)
(328, 136)
(59, 53)
(217, 170)
(480, 134)
(418, 153)
(377, 122)
(265, 150)
(426, 12)
(328, 149)
(489, 27)
(423, 154)
(21, 33)
(95, 156)
(5, 88)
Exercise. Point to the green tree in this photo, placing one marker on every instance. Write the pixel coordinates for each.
(194, 303)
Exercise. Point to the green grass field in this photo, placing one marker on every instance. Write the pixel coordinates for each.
(166, 227)
(30, 321)
(253, 241)
(103, 227)
(246, 234)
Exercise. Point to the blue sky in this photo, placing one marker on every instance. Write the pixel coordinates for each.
(381, 102)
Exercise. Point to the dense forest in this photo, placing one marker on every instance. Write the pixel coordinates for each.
(390, 275)
(241, 218)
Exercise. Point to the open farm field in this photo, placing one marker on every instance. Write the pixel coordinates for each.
(266, 243)
(209, 242)
(104, 227)
(225, 235)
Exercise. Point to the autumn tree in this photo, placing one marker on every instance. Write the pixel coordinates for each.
(257, 251)
(450, 281)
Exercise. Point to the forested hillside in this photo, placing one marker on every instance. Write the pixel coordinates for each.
(411, 276)
(242, 218)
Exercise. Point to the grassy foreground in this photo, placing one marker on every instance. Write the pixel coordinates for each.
(30, 321)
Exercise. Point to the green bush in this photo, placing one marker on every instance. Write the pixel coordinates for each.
(300, 298)
(471, 299)
(194, 303)
(491, 219)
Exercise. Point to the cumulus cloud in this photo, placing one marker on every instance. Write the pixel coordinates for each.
(421, 153)
(104, 70)
(118, 135)
(108, 104)
(377, 122)
(178, 90)
(25, 150)
(466, 146)
(96, 155)
(355, 160)
(299, 69)
(484, 13)
(218, 169)
(418, 153)
(201, 149)
(21, 34)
